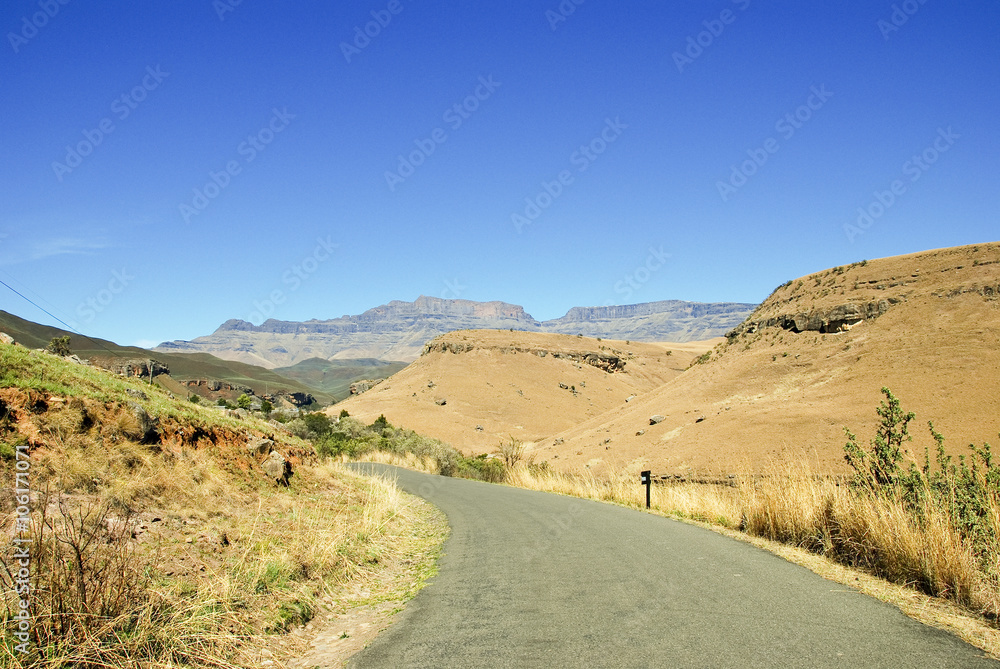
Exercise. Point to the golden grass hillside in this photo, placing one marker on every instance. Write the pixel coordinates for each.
(926, 325)
(497, 383)
(155, 539)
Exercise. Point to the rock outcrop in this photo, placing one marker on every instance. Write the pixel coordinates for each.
(838, 319)
(131, 366)
(359, 387)
(608, 362)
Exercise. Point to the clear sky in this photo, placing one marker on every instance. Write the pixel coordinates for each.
(166, 166)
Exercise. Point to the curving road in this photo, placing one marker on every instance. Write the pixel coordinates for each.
(531, 579)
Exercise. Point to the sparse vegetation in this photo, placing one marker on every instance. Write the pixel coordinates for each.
(702, 359)
(177, 552)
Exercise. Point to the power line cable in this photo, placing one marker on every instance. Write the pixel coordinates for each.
(71, 328)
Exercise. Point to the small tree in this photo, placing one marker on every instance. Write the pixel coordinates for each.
(317, 423)
(511, 451)
(266, 407)
(194, 399)
(244, 401)
(343, 413)
(880, 468)
(59, 346)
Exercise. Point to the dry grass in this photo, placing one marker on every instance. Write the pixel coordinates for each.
(286, 551)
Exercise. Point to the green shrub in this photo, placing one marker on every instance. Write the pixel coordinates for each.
(483, 468)
(59, 346)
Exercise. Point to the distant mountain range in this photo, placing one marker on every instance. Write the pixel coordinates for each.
(398, 330)
(184, 367)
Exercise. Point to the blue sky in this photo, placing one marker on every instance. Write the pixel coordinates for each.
(168, 166)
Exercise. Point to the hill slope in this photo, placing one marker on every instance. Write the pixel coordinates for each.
(336, 376)
(811, 360)
(399, 330)
(183, 366)
(171, 516)
(523, 384)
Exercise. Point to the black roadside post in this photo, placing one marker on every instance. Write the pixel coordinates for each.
(646, 481)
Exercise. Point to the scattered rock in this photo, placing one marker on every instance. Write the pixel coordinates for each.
(558, 441)
(699, 419)
(640, 433)
(630, 398)
(278, 468)
(653, 420)
(441, 402)
(564, 386)
(136, 393)
(479, 428)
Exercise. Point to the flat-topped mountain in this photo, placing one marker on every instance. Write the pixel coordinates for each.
(398, 330)
(667, 320)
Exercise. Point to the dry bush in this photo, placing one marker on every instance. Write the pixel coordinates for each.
(84, 571)
(511, 452)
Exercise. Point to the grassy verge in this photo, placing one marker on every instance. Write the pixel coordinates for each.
(172, 548)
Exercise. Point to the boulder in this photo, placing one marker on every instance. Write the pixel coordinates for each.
(653, 420)
(145, 427)
(260, 446)
(441, 402)
(136, 393)
(6, 338)
(278, 468)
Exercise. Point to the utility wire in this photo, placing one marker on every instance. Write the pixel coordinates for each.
(71, 328)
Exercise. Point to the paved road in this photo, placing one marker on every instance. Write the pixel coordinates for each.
(532, 579)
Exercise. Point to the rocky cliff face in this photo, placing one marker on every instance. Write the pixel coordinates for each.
(667, 320)
(609, 362)
(398, 330)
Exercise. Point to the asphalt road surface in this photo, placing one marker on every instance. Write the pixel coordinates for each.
(531, 579)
